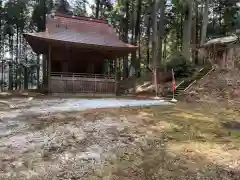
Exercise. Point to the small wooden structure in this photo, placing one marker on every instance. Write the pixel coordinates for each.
(76, 49)
(223, 52)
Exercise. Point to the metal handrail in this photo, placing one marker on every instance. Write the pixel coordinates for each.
(200, 79)
(189, 85)
(180, 83)
(208, 73)
(201, 69)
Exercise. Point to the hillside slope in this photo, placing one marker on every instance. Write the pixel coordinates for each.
(218, 86)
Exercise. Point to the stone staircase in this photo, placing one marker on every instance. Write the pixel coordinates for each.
(187, 83)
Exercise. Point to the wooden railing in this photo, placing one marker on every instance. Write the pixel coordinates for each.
(83, 75)
(81, 83)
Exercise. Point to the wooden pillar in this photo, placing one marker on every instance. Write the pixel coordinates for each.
(116, 77)
(49, 67)
(44, 69)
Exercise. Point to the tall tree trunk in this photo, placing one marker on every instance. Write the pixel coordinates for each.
(181, 31)
(205, 23)
(132, 23)
(197, 34)
(133, 54)
(155, 45)
(139, 56)
(97, 8)
(161, 31)
(16, 59)
(24, 68)
(10, 81)
(44, 57)
(21, 44)
(2, 78)
(126, 28)
(26, 74)
(187, 29)
(220, 20)
(148, 43)
(133, 39)
(1, 47)
(193, 33)
(154, 35)
(137, 35)
(165, 52)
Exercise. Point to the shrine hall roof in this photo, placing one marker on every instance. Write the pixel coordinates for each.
(77, 31)
(221, 41)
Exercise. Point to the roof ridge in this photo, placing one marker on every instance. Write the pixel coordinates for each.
(83, 18)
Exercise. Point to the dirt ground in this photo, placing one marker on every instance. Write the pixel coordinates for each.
(183, 141)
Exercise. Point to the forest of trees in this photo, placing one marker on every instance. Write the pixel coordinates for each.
(164, 30)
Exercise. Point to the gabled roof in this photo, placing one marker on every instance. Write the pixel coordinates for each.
(80, 32)
(221, 41)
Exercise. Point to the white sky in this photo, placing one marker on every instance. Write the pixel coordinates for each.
(89, 11)
(91, 2)
(88, 8)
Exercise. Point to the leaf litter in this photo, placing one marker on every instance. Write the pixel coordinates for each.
(176, 142)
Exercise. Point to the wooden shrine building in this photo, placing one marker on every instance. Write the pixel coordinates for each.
(222, 52)
(76, 49)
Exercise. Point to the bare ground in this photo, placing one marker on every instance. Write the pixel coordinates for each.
(179, 142)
